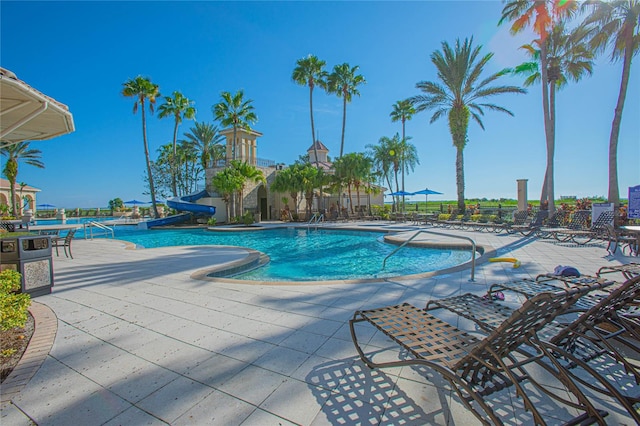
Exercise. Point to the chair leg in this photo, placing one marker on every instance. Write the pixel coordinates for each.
(70, 255)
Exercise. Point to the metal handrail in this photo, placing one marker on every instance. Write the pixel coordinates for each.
(422, 231)
(315, 219)
(93, 224)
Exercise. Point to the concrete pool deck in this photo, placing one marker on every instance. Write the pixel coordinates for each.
(140, 341)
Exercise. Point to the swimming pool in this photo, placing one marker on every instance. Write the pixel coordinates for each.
(301, 254)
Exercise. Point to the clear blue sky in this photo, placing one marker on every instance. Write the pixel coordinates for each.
(81, 53)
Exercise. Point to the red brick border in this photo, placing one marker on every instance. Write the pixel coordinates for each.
(44, 333)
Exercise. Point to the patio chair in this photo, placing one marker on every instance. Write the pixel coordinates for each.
(474, 367)
(617, 238)
(628, 270)
(557, 220)
(527, 229)
(65, 243)
(577, 225)
(569, 345)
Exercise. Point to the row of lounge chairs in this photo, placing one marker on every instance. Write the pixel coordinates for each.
(567, 345)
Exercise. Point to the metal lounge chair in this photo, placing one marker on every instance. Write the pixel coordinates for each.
(475, 368)
(567, 346)
(577, 224)
(527, 229)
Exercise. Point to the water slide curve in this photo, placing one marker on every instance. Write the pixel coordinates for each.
(188, 203)
(183, 204)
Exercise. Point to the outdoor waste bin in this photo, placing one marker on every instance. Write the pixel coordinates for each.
(31, 257)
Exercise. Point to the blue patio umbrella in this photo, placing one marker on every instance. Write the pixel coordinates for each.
(401, 193)
(135, 202)
(46, 206)
(426, 193)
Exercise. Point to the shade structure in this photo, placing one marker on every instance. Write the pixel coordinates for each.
(401, 193)
(426, 193)
(136, 202)
(46, 206)
(27, 114)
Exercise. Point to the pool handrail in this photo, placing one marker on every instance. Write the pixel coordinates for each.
(93, 224)
(424, 231)
(316, 218)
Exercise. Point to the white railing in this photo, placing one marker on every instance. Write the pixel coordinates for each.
(315, 219)
(104, 229)
(422, 231)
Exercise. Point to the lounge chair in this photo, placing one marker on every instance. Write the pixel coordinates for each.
(65, 243)
(566, 346)
(628, 270)
(527, 229)
(474, 367)
(557, 220)
(577, 225)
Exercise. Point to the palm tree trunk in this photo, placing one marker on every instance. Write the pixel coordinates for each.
(614, 191)
(403, 154)
(393, 202)
(549, 197)
(174, 165)
(350, 198)
(152, 189)
(460, 178)
(344, 121)
(313, 129)
(14, 210)
(233, 157)
(551, 147)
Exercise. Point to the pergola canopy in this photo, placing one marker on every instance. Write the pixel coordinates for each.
(27, 114)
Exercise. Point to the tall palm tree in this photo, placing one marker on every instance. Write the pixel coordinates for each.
(234, 111)
(459, 95)
(14, 154)
(344, 82)
(142, 89)
(616, 26)
(178, 107)
(310, 72)
(382, 154)
(205, 136)
(402, 111)
(568, 58)
(542, 16)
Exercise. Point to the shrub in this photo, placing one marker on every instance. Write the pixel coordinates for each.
(212, 221)
(248, 218)
(13, 305)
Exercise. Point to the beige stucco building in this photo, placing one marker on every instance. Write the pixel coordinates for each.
(258, 198)
(25, 196)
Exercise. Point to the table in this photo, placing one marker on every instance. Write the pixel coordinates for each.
(52, 229)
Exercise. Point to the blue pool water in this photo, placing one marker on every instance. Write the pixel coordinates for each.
(300, 254)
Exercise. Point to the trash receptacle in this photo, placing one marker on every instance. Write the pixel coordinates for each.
(31, 257)
(257, 217)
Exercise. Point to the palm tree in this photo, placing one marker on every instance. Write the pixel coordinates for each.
(205, 137)
(288, 180)
(543, 13)
(234, 111)
(344, 82)
(248, 173)
(568, 58)
(616, 24)
(383, 155)
(226, 183)
(310, 72)
(458, 95)
(14, 154)
(178, 107)
(402, 111)
(142, 89)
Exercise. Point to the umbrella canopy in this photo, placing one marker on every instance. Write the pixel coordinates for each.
(28, 114)
(405, 193)
(426, 193)
(46, 206)
(135, 202)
